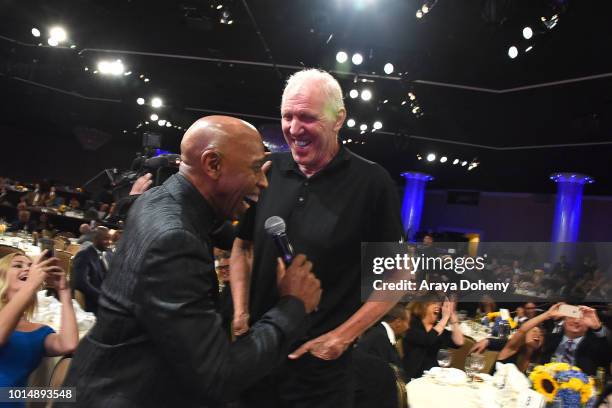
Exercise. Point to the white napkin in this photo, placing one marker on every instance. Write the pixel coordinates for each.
(49, 312)
(447, 375)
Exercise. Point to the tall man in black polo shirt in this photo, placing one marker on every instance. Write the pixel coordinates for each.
(331, 200)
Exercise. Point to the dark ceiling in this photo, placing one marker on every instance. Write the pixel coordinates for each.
(548, 110)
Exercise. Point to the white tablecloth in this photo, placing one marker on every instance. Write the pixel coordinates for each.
(22, 243)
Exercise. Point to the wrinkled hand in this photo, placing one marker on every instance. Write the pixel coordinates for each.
(589, 317)
(240, 324)
(142, 184)
(480, 347)
(299, 281)
(328, 346)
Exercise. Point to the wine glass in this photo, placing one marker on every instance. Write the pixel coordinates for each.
(474, 363)
(444, 358)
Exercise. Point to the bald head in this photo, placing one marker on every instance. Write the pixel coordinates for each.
(214, 133)
(222, 157)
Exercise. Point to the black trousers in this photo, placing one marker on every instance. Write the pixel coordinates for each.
(306, 383)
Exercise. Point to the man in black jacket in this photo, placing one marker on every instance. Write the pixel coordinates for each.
(158, 341)
(89, 268)
(380, 339)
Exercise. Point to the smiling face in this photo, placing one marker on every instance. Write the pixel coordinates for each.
(574, 327)
(433, 310)
(534, 338)
(310, 125)
(14, 270)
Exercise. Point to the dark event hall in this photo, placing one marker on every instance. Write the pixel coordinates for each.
(306, 203)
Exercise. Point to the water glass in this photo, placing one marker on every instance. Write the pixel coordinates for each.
(444, 358)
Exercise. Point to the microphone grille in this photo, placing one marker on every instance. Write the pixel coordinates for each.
(275, 225)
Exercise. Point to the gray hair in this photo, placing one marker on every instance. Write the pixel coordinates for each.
(330, 86)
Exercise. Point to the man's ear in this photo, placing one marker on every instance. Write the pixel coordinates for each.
(210, 162)
(340, 120)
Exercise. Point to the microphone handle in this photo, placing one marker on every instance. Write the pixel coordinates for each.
(284, 248)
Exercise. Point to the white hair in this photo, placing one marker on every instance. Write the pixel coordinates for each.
(330, 86)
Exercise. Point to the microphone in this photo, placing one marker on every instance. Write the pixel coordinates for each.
(275, 226)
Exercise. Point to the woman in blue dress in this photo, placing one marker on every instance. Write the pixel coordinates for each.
(22, 343)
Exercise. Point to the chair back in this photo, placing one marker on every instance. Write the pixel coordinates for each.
(400, 385)
(59, 375)
(65, 261)
(73, 248)
(458, 355)
(80, 298)
(60, 243)
(7, 250)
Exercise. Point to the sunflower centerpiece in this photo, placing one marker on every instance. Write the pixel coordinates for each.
(563, 383)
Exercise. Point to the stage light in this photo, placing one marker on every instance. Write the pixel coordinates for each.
(161, 122)
(168, 124)
(366, 95)
(419, 157)
(52, 42)
(112, 68)
(443, 159)
(146, 80)
(419, 14)
(219, 7)
(357, 58)
(344, 142)
(431, 157)
(156, 102)
(58, 33)
(456, 161)
(513, 52)
(35, 32)
(425, 9)
(529, 48)
(230, 22)
(363, 127)
(388, 68)
(350, 140)
(140, 101)
(350, 123)
(411, 96)
(377, 125)
(527, 33)
(154, 117)
(341, 57)
(354, 93)
(463, 163)
(416, 109)
(403, 103)
(385, 101)
(128, 73)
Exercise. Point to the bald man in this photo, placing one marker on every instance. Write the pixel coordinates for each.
(158, 341)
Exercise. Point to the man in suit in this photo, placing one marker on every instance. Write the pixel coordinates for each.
(89, 268)
(380, 339)
(158, 340)
(582, 343)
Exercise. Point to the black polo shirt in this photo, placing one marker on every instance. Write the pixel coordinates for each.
(328, 215)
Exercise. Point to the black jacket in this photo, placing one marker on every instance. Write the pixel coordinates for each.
(376, 343)
(421, 348)
(592, 352)
(87, 275)
(158, 341)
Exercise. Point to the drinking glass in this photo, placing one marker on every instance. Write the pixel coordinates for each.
(444, 358)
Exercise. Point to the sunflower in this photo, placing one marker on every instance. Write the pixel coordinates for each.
(544, 383)
(586, 392)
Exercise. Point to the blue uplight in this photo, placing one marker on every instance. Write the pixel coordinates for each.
(412, 206)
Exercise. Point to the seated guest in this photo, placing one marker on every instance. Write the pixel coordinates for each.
(44, 224)
(226, 306)
(86, 234)
(74, 203)
(89, 268)
(23, 222)
(582, 343)
(520, 317)
(525, 345)
(531, 310)
(486, 305)
(37, 197)
(427, 335)
(23, 343)
(380, 339)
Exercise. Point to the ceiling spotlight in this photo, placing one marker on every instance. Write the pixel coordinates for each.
(219, 6)
(419, 157)
(443, 159)
(377, 125)
(431, 157)
(363, 127)
(456, 161)
(388, 68)
(58, 33)
(341, 57)
(128, 73)
(113, 68)
(344, 142)
(146, 80)
(168, 124)
(354, 93)
(425, 9)
(35, 32)
(156, 102)
(463, 163)
(415, 109)
(403, 102)
(350, 123)
(411, 96)
(366, 95)
(357, 58)
(513, 52)
(385, 101)
(229, 22)
(527, 33)
(52, 42)
(529, 48)
(419, 14)
(154, 117)
(140, 101)
(161, 122)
